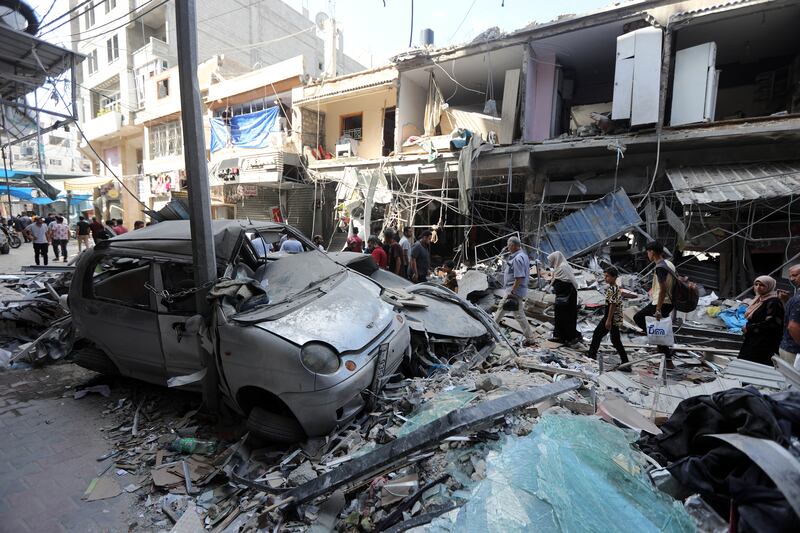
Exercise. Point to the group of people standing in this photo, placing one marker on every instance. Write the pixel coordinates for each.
(396, 253)
(53, 231)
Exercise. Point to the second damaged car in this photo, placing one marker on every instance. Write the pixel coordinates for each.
(299, 341)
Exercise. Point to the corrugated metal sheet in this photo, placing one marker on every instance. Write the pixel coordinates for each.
(21, 54)
(717, 184)
(591, 226)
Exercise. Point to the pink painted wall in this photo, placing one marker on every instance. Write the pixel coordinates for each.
(540, 83)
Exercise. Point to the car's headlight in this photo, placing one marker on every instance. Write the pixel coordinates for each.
(319, 358)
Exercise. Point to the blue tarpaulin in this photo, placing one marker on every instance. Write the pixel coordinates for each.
(593, 225)
(26, 193)
(246, 131)
(734, 318)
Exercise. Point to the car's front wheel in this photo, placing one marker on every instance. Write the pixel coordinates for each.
(277, 428)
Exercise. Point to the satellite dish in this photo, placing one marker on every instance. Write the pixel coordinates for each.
(320, 19)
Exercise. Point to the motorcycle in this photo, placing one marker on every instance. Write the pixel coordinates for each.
(13, 239)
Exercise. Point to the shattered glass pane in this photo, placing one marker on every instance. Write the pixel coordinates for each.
(437, 407)
(573, 473)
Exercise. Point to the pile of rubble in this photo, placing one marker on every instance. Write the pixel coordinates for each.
(34, 321)
(500, 437)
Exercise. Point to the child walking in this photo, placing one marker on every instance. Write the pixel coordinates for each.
(612, 318)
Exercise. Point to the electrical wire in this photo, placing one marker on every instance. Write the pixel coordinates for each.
(450, 40)
(458, 82)
(95, 27)
(77, 7)
(41, 19)
(99, 157)
(411, 32)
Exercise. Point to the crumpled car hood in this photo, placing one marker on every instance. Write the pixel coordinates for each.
(348, 317)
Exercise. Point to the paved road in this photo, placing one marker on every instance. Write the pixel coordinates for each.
(49, 445)
(11, 263)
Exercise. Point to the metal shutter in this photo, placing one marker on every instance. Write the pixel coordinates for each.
(257, 207)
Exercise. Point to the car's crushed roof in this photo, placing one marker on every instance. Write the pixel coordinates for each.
(174, 238)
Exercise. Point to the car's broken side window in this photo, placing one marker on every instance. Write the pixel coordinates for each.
(122, 280)
(178, 277)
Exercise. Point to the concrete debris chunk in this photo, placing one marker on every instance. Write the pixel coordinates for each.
(302, 474)
(489, 383)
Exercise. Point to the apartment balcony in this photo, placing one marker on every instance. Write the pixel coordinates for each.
(103, 126)
(154, 50)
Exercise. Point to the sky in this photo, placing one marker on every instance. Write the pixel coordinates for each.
(373, 33)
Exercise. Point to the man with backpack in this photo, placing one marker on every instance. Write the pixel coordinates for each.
(660, 293)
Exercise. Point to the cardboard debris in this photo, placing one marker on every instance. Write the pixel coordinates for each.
(101, 488)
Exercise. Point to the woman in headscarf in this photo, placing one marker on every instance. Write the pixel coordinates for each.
(565, 287)
(764, 328)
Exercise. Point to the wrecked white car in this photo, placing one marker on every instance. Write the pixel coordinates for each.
(299, 340)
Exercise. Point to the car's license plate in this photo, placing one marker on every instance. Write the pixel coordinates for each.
(380, 367)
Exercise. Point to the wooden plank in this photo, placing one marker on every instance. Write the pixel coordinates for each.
(510, 106)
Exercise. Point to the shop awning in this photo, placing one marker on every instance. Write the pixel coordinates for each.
(718, 184)
(26, 194)
(86, 183)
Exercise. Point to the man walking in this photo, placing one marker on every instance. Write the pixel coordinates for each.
(82, 232)
(516, 271)
(59, 233)
(96, 228)
(790, 344)
(660, 293)
(405, 244)
(420, 263)
(40, 235)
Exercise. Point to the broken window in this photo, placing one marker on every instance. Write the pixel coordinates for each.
(178, 277)
(162, 87)
(351, 126)
(121, 280)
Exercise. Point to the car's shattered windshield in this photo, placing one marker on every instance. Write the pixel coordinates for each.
(291, 275)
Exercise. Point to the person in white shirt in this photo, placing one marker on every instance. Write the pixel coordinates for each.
(59, 233)
(41, 237)
(405, 243)
(319, 243)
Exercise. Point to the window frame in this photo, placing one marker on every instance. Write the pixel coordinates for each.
(342, 130)
(89, 17)
(109, 5)
(91, 63)
(165, 140)
(112, 49)
(89, 287)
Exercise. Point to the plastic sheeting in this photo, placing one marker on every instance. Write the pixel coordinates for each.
(572, 473)
(734, 318)
(444, 403)
(246, 131)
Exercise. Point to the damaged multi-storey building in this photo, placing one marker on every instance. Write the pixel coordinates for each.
(687, 110)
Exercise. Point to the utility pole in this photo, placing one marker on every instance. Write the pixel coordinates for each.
(194, 153)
